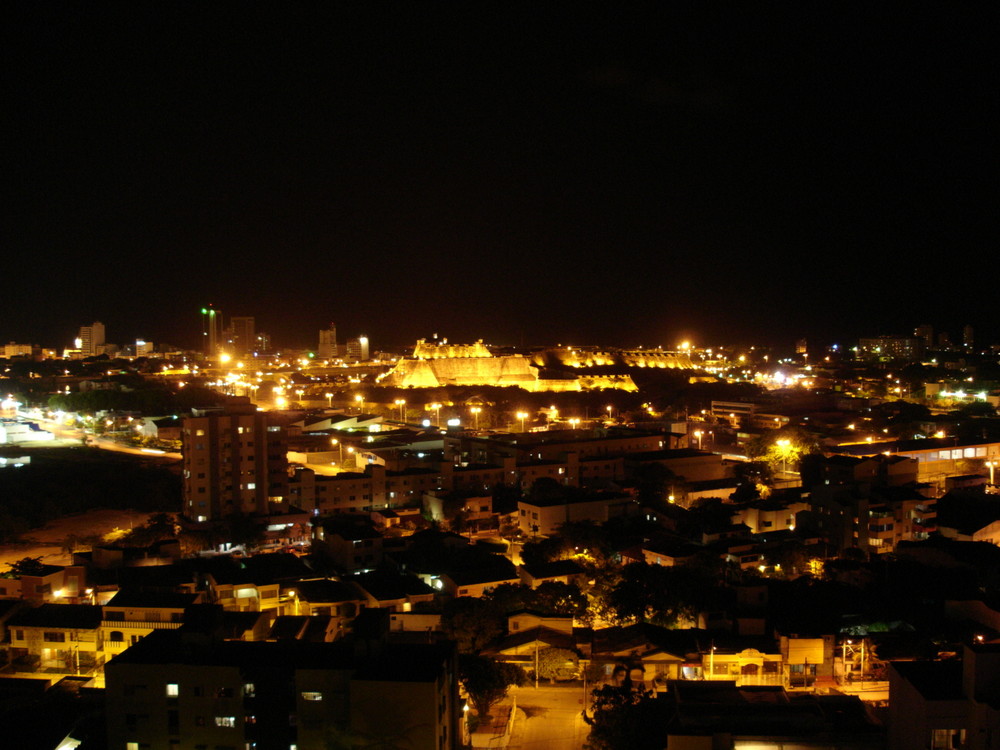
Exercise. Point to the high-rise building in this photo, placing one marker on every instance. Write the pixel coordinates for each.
(925, 333)
(357, 349)
(968, 337)
(143, 348)
(328, 343)
(92, 339)
(211, 327)
(263, 343)
(890, 347)
(234, 462)
(242, 339)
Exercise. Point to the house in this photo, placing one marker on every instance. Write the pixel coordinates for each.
(395, 592)
(48, 583)
(478, 581)
(131, 616)
(544, 515)
(560, 571)
(324, 596)
(63, 638)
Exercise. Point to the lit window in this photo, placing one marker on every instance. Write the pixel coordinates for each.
(249, 690)
(173, 689)
(225, 721)
(131, 746)
(312, 696)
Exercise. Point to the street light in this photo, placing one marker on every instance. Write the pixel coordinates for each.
(329, 400)
(783, 444)
(475, 413)
(698, 434)
(360, 400)
(522, 415)
(401, 403)
(436, 407)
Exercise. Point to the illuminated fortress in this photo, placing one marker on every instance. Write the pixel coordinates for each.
(434, 364)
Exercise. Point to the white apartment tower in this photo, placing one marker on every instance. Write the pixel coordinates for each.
(92, 339)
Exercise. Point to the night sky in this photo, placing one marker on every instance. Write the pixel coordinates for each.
(511, 172)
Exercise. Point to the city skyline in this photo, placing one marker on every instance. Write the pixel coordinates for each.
(600, 176)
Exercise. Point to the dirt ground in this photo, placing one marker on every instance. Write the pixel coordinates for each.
(47, 541)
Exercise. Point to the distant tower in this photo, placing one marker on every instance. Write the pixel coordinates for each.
(244, 340)
(357, 349)
(926, 334)
(263, 342)
(211, 324)
(801, 346)
(92, 339)
(328, 342)
(967, 337)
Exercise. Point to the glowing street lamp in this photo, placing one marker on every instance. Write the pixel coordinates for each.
(783, 445)
(401, 403)
(360, 401)
(299, 391)
(991, 465)
(329, 400)
(574, 422)
(436, 408)
(522, 415)
(475, 413)
(698, 434)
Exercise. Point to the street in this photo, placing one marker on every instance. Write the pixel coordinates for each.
(552, 718)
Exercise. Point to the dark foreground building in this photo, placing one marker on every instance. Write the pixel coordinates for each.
(176, 690)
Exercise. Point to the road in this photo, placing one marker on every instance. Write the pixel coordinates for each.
(554, 720)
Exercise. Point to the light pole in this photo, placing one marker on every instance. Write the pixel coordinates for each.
(698, 434)
(300, 391)
(329, 400)
(992, 467)
(783, 445)
(522, 415)
(360, 400)
(475, 413)
(436, 408)
(401, 403)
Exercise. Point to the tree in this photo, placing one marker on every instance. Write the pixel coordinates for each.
(26, 566)
(472, 623)
(554, 663)
(666, 596)
(487, 681)
(625, 719)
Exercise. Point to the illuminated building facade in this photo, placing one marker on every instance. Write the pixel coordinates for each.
(92, 339)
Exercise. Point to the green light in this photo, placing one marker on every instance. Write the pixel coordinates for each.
(204, 311)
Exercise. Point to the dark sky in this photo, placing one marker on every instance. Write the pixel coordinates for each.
(501, 171)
